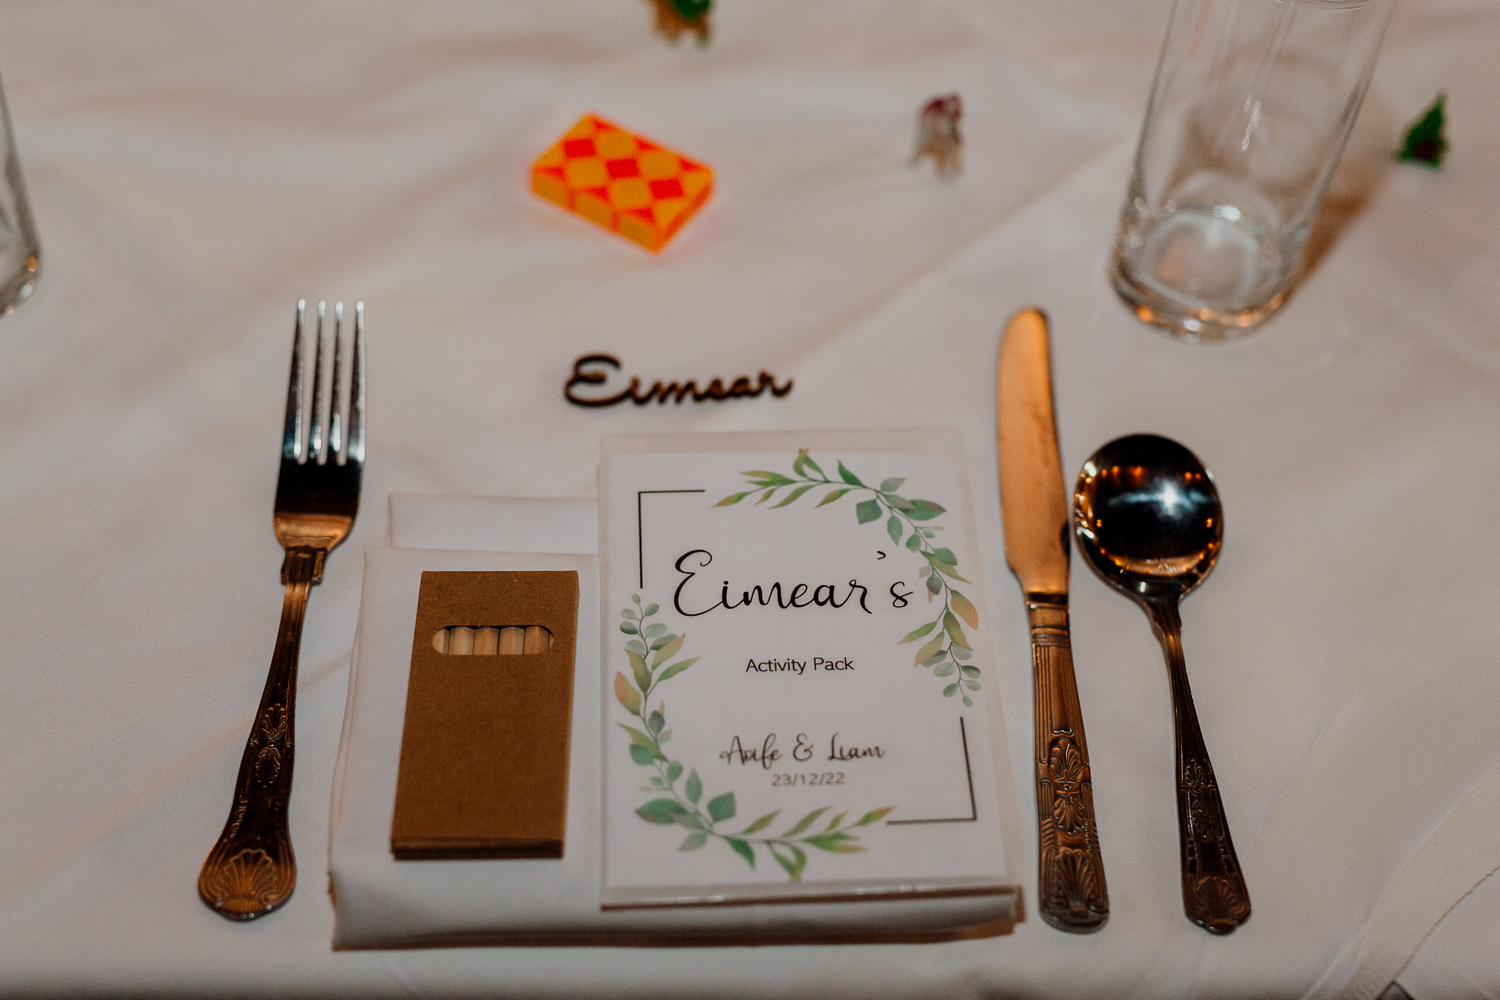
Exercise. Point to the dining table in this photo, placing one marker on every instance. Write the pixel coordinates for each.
(196, 169)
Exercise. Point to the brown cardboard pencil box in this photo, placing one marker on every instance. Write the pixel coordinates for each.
(484, 751)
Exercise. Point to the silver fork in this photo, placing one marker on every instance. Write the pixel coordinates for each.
(251, 870)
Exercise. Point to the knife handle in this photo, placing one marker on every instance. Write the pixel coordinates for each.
(1071, 892)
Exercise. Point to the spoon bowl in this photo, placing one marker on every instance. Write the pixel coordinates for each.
(1147, 516)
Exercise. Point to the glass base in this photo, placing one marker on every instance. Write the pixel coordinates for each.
(1185, 322)
(1200, 273)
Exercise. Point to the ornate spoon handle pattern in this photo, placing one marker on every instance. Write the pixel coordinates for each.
(1214, 894)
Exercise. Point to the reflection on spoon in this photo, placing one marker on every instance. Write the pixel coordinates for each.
(1147, 516)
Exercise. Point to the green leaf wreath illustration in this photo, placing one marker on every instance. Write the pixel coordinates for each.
(947, 647)
(681, 800)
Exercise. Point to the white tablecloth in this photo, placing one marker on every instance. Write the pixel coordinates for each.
(195, 170)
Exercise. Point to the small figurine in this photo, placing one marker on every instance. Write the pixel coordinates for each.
(1425, 143)
(938, 135)
(675, 18)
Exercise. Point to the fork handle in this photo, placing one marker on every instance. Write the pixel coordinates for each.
(251, 870)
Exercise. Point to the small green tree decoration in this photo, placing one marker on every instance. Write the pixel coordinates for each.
(1425, 143)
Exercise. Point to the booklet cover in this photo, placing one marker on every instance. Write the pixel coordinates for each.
(798, 673)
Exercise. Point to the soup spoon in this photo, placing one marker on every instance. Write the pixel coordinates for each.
(1147, 516)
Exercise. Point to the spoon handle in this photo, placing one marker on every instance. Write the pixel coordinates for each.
(1071, 892)
(1213, 888)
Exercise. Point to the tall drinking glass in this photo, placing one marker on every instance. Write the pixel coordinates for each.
(1251, 107)
(20, 253)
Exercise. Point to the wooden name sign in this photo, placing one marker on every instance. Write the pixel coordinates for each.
(592, 370)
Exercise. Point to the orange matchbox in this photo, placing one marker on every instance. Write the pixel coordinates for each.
(623, 182)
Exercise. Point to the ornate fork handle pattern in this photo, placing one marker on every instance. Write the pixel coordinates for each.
(1214, 894)
(252, 870)
(1072, 895)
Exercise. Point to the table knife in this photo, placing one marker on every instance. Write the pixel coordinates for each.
(1033, 505)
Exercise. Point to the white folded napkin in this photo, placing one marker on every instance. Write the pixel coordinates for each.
(516, 524)
(1454, 866)
(1459, 955)
(381, 902)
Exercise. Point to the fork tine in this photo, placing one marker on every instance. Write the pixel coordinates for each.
(315, 431)
(335, 425)
(291, 438)
(355, 449)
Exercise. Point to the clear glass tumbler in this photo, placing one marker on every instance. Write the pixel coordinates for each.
(20, 253)
(1251, 107)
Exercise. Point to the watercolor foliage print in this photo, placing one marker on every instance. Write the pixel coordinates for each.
(910, 523)
(680, 797)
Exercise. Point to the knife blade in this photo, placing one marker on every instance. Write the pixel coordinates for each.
(1071, 892)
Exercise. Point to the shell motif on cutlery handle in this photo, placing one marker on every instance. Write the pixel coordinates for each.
(251, 869)
(1214, 894)
(1072, 895)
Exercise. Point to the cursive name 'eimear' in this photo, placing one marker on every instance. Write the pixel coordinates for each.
(799, 595)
